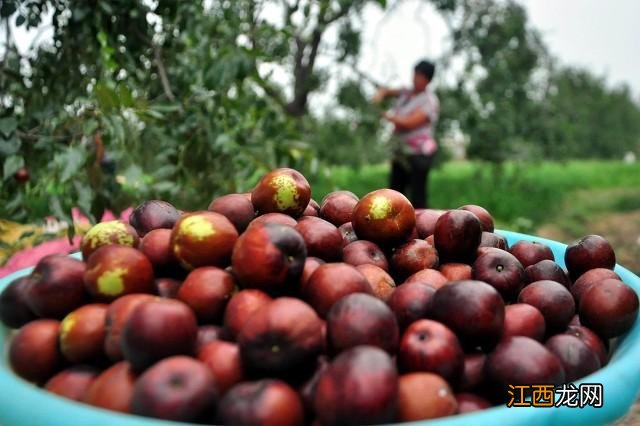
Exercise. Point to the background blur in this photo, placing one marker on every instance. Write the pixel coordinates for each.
(540, 106)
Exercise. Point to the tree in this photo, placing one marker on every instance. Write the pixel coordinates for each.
(131, 100)
(514, 100)
(175, 92)
(493, 94)
(583, 118)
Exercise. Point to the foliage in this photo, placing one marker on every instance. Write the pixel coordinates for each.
(186, 100)
(174, 91)
(582, 118)
(492, 96)
(513, 101)
(353, 135)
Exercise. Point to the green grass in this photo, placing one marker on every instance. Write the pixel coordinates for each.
(521, 196)
(583, 206)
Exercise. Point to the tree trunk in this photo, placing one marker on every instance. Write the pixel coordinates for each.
(304, 61)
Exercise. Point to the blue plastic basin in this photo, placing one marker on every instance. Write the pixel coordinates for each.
(22, 403)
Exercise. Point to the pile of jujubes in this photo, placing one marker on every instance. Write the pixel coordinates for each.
(271, 309)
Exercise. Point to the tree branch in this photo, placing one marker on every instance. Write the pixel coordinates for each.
(166, 87)
(268, 88)
(301, 75)
(252, 30)
(7, 45)
(289, 10)
(33, 137)
(13, 73)
(271, 91)
(327, 20)
(39, 34)
(305, 58)
(97, 141)
(298, 58)
(27, 136)
(366, 77)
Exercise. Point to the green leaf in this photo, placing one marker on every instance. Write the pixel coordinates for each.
(153, 114)
(167, 107)
(117, 130)
(20, 20)
(222, 141)
(134, 176)
(102, 38)
(11, 165)
(165, 187)
(44, 143)
(107, 99)
(56, 208)
(74, 158)
(164, 108)
(71, 232)
(106, 7)
(15, 203)
(125, 98)
(26, 234)
(9, 146)
(8, 125)
(85, 196)
(79, 13)
(89, 126)
(164, 172)
(7, 8)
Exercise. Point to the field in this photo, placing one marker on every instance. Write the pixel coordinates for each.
(558, 200)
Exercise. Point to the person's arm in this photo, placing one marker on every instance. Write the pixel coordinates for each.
(417, 118)
(385, 92)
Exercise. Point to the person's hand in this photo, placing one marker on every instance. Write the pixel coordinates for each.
(387, 115)
(380, 95)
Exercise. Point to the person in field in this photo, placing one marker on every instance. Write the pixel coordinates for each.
(414, 116)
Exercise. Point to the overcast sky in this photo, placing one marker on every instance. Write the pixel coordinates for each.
(603, 36)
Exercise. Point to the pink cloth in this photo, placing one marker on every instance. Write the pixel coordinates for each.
(30, 256)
